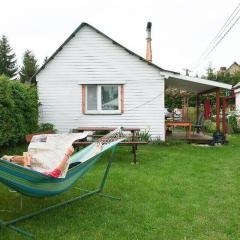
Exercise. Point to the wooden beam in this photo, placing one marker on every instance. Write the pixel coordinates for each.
(218, 109)
(209, 91)
(185, 106)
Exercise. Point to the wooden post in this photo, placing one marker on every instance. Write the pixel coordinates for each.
(185, 105)
(218, 110)
(197, 106)
(187, 110)
(183, 108)
(224, 121)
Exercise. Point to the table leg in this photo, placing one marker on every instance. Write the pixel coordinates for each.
(134, 154)
(134, 148)
(189, 131)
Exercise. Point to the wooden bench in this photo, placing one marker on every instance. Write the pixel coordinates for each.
(133, 141)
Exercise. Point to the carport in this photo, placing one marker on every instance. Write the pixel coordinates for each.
(199, 86)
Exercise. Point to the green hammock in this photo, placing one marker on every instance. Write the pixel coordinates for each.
(34, 184)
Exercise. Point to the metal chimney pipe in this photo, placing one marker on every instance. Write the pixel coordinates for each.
(149, 42)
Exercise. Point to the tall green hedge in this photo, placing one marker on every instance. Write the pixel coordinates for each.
(18, 111)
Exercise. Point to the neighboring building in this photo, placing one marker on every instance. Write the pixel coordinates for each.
(233, 69)
(222, 70)
(91, 80)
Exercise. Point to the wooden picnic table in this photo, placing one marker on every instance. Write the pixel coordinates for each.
(187, 125)
(133, 141)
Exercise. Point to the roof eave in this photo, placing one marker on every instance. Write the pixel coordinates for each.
(214, 84)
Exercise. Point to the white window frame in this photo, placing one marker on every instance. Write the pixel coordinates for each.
(99, 100)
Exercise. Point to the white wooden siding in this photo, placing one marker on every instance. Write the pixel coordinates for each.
(237, 100)
(91, 58)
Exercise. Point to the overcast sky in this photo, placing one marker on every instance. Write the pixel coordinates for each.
(180, 33)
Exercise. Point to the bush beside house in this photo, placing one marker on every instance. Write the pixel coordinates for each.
(18, 111)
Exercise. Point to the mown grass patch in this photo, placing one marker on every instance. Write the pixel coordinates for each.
(178, 191)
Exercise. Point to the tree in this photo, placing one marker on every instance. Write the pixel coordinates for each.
(29, 67)
(210, 73)
(8, 62)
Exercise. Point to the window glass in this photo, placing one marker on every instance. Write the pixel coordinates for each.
(92, 97)
(109, 97)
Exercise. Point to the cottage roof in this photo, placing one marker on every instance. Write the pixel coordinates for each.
(173, 79)
(113, 41)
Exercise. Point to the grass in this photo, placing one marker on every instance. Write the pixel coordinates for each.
(178, 191)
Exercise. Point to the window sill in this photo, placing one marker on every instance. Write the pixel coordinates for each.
(103, 113)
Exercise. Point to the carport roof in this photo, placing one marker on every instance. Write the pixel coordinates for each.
(192, 84)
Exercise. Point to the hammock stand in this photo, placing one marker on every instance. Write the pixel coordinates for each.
(11, 223)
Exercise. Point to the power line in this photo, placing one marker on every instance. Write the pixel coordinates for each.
(221, 31)
(225, 34)
(219, 41)
(216, 41)
(227, 23)
(145, 103)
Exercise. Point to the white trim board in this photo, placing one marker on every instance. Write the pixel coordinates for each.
(97, 82)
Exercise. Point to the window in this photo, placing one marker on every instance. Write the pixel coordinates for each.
(103, 99)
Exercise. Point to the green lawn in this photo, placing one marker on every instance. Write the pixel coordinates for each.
(178, 191)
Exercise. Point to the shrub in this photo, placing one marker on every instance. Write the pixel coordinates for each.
(46, 127)
(18, 111)
(144, 135)
(210, 126)
(233, 123)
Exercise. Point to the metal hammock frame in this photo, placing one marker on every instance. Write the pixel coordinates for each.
(113, 136)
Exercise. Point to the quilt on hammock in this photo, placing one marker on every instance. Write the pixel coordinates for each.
(48, 150)
(47, 153)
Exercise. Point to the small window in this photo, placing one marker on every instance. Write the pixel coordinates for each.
(103, 99)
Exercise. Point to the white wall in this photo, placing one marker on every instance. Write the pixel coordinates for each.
(91, 58)
(237, 100)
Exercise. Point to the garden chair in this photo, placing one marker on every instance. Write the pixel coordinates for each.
(199, 126)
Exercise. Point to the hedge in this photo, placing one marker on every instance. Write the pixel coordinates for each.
(18, 111)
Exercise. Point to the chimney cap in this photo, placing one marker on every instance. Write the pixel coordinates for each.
(149, 26)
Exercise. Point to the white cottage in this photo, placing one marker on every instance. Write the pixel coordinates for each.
(91, 80)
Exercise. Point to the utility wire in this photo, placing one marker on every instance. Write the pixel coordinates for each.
(225, 34)
(145, 103)
(221, 31)
(219, 41)
(215, 42)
